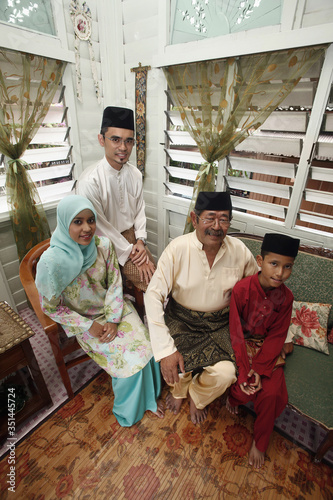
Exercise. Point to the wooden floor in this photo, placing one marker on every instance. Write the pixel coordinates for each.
(81, 452)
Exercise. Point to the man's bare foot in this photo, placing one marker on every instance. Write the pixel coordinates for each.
(160, 409)
(232, 409)
(256, 457)
(197, 416)
(173, 404)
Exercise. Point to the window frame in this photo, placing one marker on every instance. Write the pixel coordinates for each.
(56, 47)
(282, 36)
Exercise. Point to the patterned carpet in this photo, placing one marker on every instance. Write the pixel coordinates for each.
(79, 374)
(81, 452)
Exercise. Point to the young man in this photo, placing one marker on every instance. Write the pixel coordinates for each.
(260, 312)
(114, 187)
(197, 271)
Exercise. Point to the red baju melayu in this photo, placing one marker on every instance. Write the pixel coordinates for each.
(259, 322)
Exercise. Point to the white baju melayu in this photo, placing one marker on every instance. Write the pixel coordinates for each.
(117, 196)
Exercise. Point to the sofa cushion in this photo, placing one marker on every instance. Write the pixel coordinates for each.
(308, 326)
(310, 390)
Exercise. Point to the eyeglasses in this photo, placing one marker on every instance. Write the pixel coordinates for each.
(117, 141)
(211, 221)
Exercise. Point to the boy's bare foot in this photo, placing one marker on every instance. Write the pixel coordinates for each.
(197, 416)
(173, 404)
(232, 409)
(256, 457)
(160, 409)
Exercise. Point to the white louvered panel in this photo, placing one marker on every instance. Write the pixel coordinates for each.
(55, 114)
(274, 144)
(263, 167)
(46, 154)
(286, 121)
(174, 188)
(325, 147)
(43, 174)
(313, 219)
(55, 191)
(174, 118)
(56, 172)
(50, 193)
(321, 174)
(328, 127)
(319, 197)
(185, 156)
(301, 96)
(261, 207)
(50, 135)
(180, 138)
(177, 219)
(261, 187)
(182, 173)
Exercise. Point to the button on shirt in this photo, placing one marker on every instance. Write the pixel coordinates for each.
(183, 270)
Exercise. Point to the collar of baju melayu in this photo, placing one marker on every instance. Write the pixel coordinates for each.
(199, 245)
(112, 170)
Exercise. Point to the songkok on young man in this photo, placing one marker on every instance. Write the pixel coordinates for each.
(198, 270)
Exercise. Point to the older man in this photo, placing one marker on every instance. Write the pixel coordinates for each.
(114, 187)
(197, 271)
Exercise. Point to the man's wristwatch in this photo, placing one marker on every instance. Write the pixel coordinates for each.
(143, 240)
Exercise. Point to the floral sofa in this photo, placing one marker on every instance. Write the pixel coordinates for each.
(309, 368)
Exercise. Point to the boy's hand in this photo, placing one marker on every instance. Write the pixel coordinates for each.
(256, 385)
(245, 387)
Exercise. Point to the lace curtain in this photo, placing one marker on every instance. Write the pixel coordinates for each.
(27, 87)
(222, 102)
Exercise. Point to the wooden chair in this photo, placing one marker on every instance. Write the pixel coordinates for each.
(130, 289)
(60, 343)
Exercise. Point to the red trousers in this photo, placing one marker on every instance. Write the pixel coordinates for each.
(269, 403)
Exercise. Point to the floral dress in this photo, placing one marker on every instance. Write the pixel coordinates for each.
(97, 295)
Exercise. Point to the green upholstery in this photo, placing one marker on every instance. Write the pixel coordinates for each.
(311, 279)
(309, 378)
(309, 373)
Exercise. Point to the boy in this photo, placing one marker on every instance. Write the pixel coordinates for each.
(260, 312)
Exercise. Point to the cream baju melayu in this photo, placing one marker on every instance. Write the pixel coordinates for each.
(117, 196)
(183, 270)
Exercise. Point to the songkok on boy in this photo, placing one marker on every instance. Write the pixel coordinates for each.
(208, 200)
(281, 244)
(118, 118)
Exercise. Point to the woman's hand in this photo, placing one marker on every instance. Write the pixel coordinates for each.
(104, 333)
(109, 332)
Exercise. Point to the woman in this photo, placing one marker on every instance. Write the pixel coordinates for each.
(80, 287)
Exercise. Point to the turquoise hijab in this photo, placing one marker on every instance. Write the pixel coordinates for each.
(65, 259)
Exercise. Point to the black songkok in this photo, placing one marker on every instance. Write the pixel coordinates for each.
(216, 201)
(118, 118)
(281, 244)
